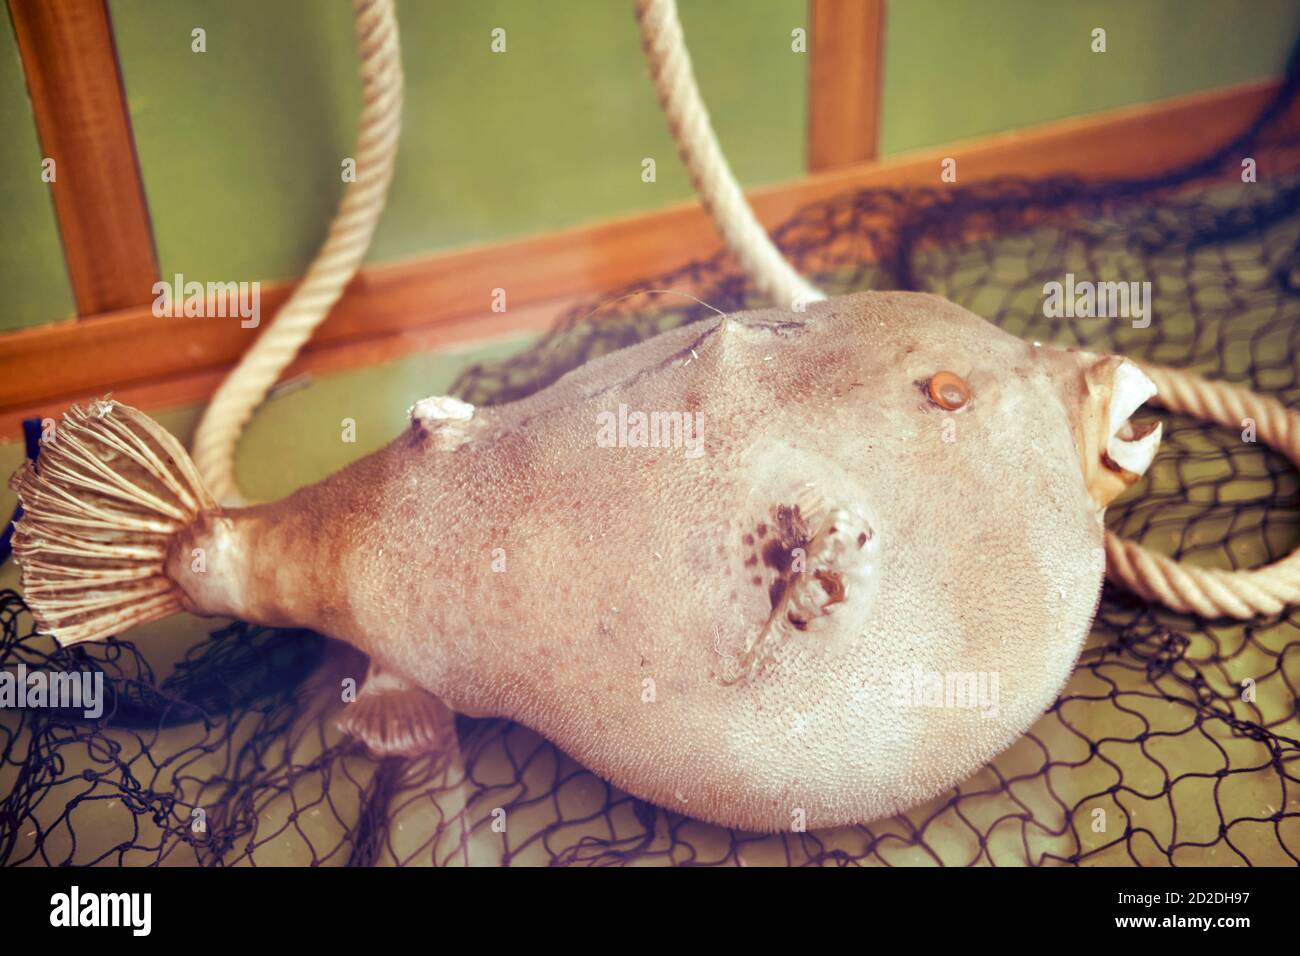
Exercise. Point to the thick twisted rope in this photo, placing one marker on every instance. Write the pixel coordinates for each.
(335, 264)
(674, 80)
(1208, 592)
(1213, 592)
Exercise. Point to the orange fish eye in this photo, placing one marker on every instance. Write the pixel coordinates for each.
(948, 390)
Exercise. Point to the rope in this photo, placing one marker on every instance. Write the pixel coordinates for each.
(1182, 587)
(335, 264)
(1213, 592)
(670, 68)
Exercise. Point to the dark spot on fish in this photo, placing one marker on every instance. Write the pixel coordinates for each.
(751, 561)
(777, 591)
(748, 539)
(761, 529)
(758, 580)
(799, 623)
(776, 557)
(863, 539)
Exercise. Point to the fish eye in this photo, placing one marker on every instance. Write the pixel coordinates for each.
(948, 390)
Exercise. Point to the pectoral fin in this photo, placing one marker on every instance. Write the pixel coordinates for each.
(395, 718)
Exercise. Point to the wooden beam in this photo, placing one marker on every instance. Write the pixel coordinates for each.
(81, 118)
(844, 81)
(391, 309)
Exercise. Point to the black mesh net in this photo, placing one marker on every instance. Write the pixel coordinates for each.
(1177, 741)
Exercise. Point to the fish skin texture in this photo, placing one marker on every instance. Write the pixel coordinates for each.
(637, 582)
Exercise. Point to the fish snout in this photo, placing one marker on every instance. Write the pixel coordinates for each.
(1102, 394)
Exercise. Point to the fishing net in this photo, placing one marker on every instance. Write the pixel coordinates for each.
(1176, 741)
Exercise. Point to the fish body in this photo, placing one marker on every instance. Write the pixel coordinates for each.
(756, 569)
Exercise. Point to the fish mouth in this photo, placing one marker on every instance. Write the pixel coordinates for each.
(1120, 450)
(1131, 446)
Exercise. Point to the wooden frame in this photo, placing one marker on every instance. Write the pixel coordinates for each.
(392, 309)
(81, 118)
(442, 299)
(844, 81)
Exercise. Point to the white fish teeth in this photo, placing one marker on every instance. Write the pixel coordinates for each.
(1130, 390)
(1135, 456)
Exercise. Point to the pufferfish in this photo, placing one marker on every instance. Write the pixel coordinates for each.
(772, 568)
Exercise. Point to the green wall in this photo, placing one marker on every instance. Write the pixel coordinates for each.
(33, 279)
(551, 132)
(241, 146)
(955, 69)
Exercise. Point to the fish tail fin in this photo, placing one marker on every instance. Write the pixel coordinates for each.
(102, 506)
